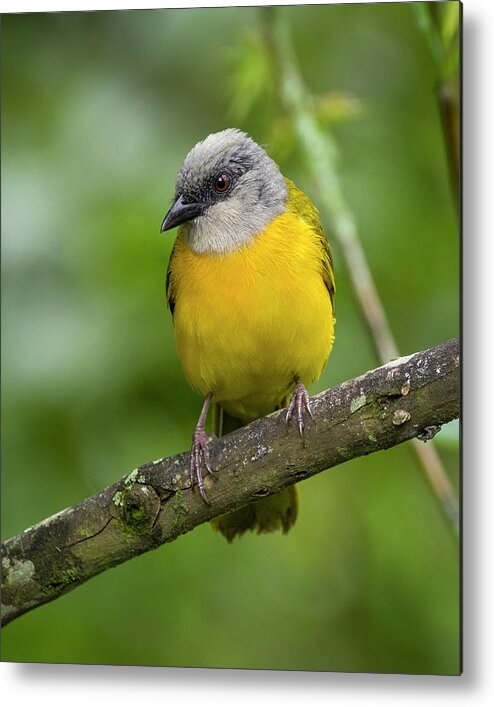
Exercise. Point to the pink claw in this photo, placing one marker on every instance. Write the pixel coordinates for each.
(199, 458)
(300, 403)
(199, 454)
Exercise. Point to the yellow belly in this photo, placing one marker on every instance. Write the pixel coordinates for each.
(248, 323)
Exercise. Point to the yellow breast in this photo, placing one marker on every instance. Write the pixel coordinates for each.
(249, 322)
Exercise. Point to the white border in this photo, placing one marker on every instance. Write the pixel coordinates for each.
(83, 685)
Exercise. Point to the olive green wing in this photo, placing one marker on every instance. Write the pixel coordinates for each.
(301, 205)
(170, 290)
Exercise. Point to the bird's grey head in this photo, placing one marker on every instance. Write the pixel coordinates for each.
(227, 191)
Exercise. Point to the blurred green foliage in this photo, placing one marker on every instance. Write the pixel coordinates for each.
(98, 111)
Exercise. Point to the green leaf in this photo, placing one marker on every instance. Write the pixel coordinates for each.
(252, 76)
(337, 107)
(450, 22)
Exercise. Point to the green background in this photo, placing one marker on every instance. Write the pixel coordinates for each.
(98, 112)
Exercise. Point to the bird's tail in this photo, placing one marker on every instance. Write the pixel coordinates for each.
(276, 512)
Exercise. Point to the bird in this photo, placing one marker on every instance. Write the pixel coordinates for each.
(250, 285)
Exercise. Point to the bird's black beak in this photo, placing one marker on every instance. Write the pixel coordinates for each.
(180, 213)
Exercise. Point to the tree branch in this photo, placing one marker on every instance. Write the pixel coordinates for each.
(154, 504)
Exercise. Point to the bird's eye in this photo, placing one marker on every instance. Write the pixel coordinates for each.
(222, 183)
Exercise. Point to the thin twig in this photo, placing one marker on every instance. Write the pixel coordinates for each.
(440, 23)
(319, 150)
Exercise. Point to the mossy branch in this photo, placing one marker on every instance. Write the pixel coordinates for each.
(154, 504)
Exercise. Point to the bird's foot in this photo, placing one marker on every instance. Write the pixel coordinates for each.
(199, 459)
(299, 404)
